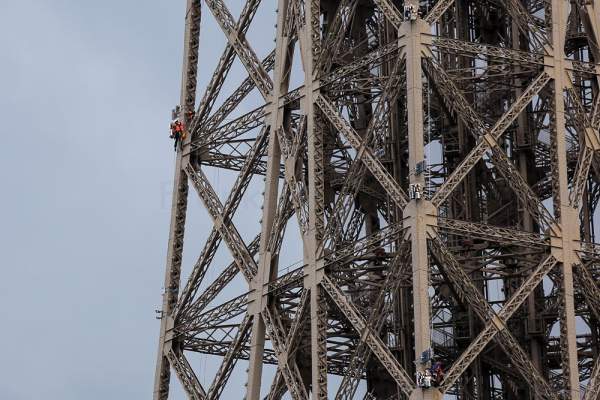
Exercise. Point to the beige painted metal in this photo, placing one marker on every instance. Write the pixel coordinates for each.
(178, 203)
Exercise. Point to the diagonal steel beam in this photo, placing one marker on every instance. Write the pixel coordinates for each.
(291, 342)
(492, 135)
(391, 13)
(591, 22)
(582, 171)
(293, 335)
(293, 20)
(186, 375)
(526, 195)
(232, 238)
(440, 7)
(359, 248)
(282, 215)
(497, 324)
(225, 62)
(359, 64)
(374, 135)
(469, 295)
(215, 316)
(590, 288)
(231, 130)
(231, 204)
(295, 185)
(246, 264)
(453, 99)
(336, 33)
(589, 138)
(230, 359)
(198, 271)
(212, 290)
(378, 348)
(209, 294)
(278, 387)
(399, 266)
(592, 391)
(287, 367)
(364, 153)
(526, 25)
(261, 79)
(233, 100)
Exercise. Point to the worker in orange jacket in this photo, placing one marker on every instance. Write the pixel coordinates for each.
(177, 133)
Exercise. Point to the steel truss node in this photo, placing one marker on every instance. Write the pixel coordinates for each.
(440, 166)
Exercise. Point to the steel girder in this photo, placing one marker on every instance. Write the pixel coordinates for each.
(440, 159)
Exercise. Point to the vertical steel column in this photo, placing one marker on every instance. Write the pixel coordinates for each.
(179, 201)
(419, 213)
(569, 217)
(267, 264)
(311, 50)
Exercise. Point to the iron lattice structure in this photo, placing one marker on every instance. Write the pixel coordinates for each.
(440, 161)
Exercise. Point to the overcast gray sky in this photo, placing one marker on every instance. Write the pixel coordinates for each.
(86, 88)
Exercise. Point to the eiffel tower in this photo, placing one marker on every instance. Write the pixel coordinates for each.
(438, 171)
